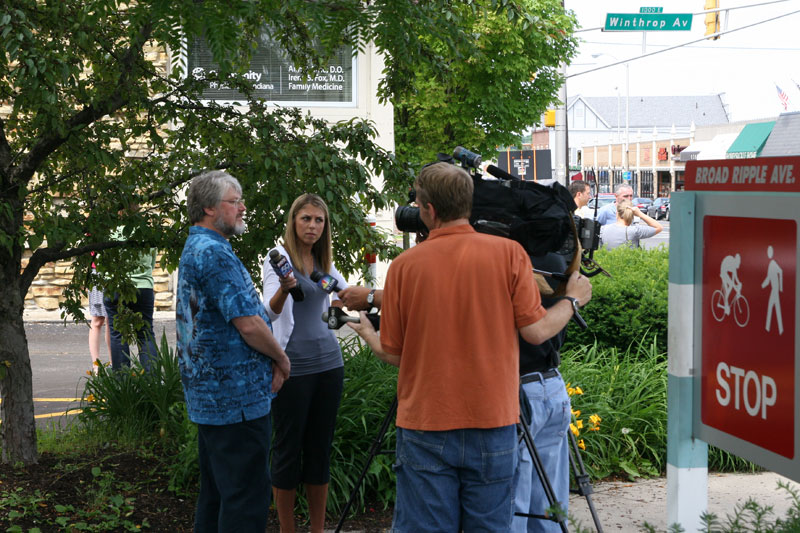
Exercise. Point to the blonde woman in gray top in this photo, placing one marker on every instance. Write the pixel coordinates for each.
(623, 231)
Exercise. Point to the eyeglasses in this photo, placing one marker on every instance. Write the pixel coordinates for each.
(235, 203)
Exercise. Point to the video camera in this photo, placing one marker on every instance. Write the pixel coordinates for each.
(538, 215)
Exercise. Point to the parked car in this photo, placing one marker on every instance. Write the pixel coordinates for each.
(659, 209)
(604, 198)
(642, 203)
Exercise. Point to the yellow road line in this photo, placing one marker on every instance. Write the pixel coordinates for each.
(51, 415)
(54, 400)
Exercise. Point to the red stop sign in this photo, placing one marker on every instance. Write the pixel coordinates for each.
(748, 329)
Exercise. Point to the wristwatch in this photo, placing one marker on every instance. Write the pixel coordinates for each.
(371, 297)
(575, 304)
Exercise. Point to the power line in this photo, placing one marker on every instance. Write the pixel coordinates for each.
(683, 44)
(710, 47)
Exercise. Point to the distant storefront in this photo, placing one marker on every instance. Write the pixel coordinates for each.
(750, 141)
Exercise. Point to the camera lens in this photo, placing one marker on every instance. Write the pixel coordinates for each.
(407, 219)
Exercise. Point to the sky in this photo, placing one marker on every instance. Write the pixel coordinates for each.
(745, 65)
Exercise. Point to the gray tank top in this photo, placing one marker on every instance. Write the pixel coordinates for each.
(312, 347)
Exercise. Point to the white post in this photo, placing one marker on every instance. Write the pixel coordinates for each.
(372, 258)
(639, 161)
(627, 116)
(671, 162)
(687, 458)
(654, 157)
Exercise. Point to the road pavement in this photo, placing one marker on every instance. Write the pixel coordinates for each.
(60, 359)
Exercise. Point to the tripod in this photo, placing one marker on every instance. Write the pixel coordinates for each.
(581, 477)
(584, 486)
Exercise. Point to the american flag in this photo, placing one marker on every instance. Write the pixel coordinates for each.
(783, 98)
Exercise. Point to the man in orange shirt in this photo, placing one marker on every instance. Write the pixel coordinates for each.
(451, 310)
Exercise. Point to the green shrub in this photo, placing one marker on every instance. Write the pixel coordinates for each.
(628, 390)
(131, 404)
(370, 387)
(628, 305)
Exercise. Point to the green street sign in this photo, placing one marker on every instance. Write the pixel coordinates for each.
(648, 22)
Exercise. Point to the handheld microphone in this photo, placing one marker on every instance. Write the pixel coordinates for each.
(335, 317)
(326, 282)
(500, 173)
(283, 269)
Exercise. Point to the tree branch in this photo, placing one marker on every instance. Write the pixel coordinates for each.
(5, 156)
(54, 253)
(89, 114)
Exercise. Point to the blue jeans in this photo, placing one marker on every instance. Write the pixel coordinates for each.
(234, 477)
(448, 481)
(550, 418)
(120, 351)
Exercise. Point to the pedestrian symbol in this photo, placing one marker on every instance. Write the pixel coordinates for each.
(775, 281)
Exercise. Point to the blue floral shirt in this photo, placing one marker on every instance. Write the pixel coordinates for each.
(225, 381)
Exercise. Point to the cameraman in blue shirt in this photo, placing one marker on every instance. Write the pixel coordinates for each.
(231, 365)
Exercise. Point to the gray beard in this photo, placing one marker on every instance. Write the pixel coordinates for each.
(229, 230)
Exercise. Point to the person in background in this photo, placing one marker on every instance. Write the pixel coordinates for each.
(98, 324)
(608, 213)
(623, 231)
(452, 309)
(304, 412)
(581, 193)
(144, 303)
(231, 365)
(546, 394)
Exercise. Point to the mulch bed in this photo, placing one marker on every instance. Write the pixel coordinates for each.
(128, 493)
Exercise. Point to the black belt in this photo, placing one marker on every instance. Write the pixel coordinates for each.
(539, 376)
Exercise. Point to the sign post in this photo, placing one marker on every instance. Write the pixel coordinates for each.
(733, 320)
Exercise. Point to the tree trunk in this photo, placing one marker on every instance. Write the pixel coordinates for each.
(18, 427)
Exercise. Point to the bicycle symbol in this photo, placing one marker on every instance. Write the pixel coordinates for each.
(739, 306)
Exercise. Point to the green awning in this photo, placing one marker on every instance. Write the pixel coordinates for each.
(750, 141)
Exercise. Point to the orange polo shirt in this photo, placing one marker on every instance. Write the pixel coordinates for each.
(451, 309)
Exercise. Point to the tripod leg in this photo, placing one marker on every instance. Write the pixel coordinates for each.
(584, 486)
(373, 451)
(540, 471)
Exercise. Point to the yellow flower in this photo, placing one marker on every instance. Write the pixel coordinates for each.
(595, 428)
(594, 419)
(578, 390)
(88, 372)
(579, 423)
(574, 430)
(581, 444)
(576, 413)
(90, 398)
(96, 362)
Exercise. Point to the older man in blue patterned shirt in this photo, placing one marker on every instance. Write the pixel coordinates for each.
(231, 365)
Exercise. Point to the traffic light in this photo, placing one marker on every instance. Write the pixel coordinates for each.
(712, 19)
(550, 118)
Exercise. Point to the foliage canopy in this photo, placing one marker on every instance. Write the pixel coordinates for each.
(93, 121)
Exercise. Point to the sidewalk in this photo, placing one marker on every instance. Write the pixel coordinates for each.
(626, 506)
